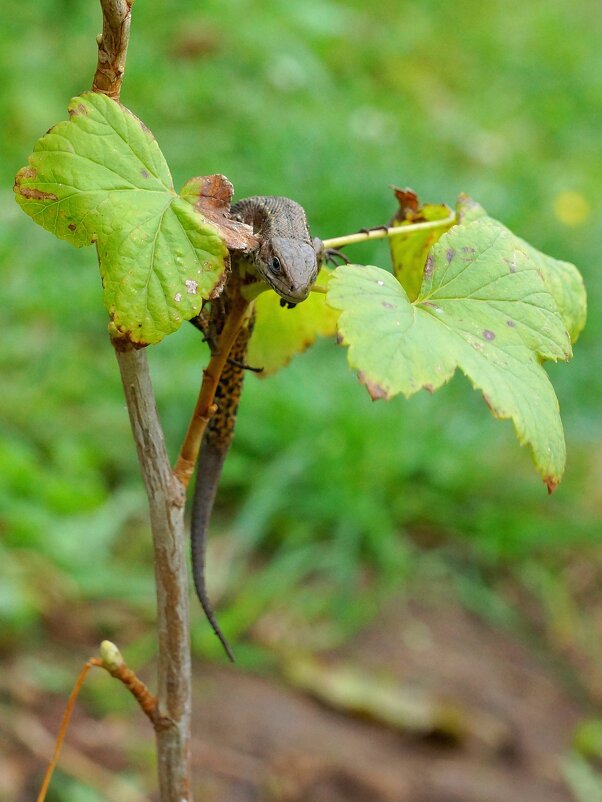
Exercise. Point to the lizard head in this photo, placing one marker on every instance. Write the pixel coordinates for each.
(289, 266)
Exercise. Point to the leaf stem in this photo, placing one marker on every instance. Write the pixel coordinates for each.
(386, 233)
(205, 405)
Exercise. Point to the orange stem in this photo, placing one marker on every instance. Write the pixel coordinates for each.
(205, 405)
(64, 725)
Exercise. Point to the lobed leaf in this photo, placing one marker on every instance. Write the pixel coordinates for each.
(483, 307)
(563, 279)
(566, 286)
(101, 178)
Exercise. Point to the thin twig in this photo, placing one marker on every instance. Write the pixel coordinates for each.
(113, 662)
(112, 46)
(383, 233)
(205, 405)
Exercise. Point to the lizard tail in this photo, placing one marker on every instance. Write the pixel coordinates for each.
(209, 468)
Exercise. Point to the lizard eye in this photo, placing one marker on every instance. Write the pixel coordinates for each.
(275, 265)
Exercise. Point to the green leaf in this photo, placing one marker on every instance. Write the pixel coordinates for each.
(566, 286)
(280, 333)
(101, 178)
(563, 279)
(483, 307)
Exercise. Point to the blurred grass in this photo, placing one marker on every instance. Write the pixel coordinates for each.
(328, 103)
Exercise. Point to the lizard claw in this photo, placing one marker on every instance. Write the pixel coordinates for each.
(244, 366)
(373, 228)
(332, 254)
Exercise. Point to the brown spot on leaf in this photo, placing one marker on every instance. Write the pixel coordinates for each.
(429, 388)
(490, 404)
(122, 342)
(387, 305)
(375, 391)
(31, 193)
(217, 290)
(410, 209)
(489, 335)
(408, 204)
(78, 110)
(144, 173)
(511, 323)
(429, 266)
(211, 196)
(34, 194)
(143, 126)
(123, 339)
(465, 205)
(511, 263)
(551, 483)
(449, 254)
(72, 227)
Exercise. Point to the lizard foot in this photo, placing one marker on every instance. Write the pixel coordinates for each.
(244, 366)
(332, 254)
(373, 228)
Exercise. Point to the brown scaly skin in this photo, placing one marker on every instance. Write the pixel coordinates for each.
(287, 256)
(287, 261)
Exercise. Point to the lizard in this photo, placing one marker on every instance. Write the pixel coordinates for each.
(287, 260)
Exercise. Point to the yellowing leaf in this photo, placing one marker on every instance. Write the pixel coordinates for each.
(409, 252)
(280, 333)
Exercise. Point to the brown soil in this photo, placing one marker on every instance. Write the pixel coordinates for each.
(259, 740)
(269, 742)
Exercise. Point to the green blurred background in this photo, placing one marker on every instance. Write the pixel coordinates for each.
(330, 502)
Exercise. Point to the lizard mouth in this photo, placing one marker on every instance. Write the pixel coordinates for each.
(292, 299)
(291, 295)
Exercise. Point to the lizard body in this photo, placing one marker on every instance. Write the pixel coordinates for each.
(287, 260)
